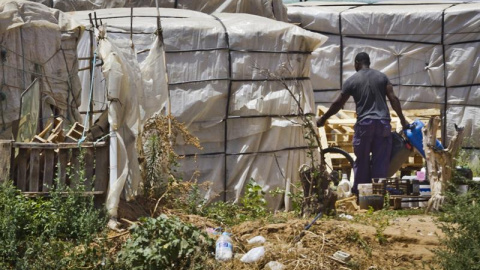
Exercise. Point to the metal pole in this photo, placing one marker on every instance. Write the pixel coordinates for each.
(91, 64)
(131, 27)
(160, 38)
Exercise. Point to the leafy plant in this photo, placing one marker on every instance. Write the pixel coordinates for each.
(460, 223)
(354, 237)
(253, 201)
(377, 219)
(252, 206)
(165, 243)
(53, 233)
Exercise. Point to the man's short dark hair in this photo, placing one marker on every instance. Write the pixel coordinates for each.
(363, 58)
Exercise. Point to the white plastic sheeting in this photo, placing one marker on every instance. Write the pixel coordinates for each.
(38, 42)
(411, 42)
(247, 122)
(273, 9)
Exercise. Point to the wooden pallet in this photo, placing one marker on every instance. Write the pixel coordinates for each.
(339, 129)
(36, 165)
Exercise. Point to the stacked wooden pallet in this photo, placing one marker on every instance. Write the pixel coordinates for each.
(338, 132)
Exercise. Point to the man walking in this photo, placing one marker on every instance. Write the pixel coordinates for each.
(369, 89)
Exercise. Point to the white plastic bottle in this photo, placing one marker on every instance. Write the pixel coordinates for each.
(344, 188)
(224, 247)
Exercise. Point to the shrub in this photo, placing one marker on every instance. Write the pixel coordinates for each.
(460, 222)
(53, 233)
(165, 243)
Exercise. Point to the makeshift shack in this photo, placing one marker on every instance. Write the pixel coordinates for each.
(273, 9)
(219, 83)
(39, 97)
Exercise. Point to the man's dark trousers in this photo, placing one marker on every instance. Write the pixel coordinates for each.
(371, 136)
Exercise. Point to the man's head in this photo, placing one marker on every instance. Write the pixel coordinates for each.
(362, 60)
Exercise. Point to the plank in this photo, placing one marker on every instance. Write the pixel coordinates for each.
(34, 176)
(43, 193)
(5, 159)
(334, 122)
(48, 169)
(89, 159)
(101, 168)
(63, 155)
(75, 168)
(323, 145)
(21, 166)
(31, 145)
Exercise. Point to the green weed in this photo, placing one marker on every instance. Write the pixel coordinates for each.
(165, 243)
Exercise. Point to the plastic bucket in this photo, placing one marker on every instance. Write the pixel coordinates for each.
(375, 201)
(399, 155)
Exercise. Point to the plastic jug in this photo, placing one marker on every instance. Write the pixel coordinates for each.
(224, 247)
(344, 187)
(415, 136)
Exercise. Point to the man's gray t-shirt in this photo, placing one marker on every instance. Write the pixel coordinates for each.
(369, 90)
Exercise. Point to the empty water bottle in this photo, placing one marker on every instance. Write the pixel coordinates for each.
(224, 247)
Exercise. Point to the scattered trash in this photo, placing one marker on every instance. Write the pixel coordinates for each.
(214, 231)
(253, 255)
(257, 240)
(307, 227)
(224, 247)
(274, 265)
(348, 204)
(342, 256)
(349, 217)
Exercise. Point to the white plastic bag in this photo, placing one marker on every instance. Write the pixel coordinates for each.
(274, 265)
(257, 240)
(253, 255)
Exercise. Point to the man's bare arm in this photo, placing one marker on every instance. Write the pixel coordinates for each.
(396, 105)
(334, 108)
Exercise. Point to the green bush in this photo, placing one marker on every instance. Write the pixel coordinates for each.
(48, 233)
(252, 206)
(460, 222)
(165, 243)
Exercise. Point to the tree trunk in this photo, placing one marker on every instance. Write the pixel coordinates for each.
(439, 162)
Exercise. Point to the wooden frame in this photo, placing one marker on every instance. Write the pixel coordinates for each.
(34, 166)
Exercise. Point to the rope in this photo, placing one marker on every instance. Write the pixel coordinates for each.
(86, 121)
(103, 138)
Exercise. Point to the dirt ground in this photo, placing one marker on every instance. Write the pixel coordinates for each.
(379, 240)
(408, 245)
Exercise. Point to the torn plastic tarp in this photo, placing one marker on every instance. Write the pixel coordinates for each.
(258, 135)
(411, 42)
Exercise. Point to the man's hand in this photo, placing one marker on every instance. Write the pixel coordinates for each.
(405, 124)
(321, 121)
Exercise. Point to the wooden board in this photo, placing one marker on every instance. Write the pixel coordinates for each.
(63, 158)
(102, 169)
(34, 170)
(48, 169)
(5, 160)
(89, 158)
(21, 168)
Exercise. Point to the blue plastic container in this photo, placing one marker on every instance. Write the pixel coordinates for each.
(415, 137)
